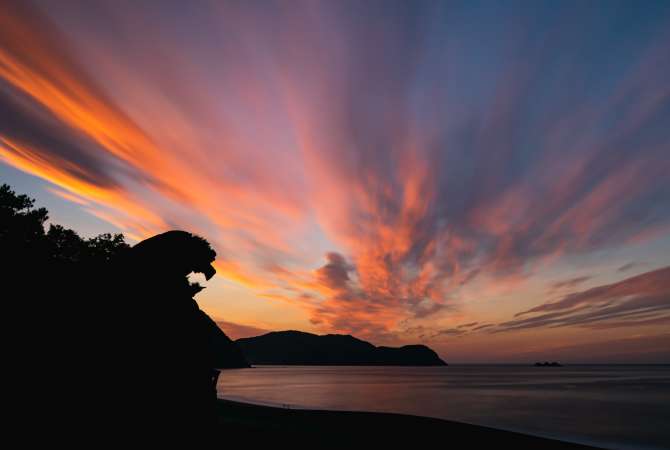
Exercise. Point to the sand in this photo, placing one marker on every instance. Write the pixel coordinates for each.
(282, 428)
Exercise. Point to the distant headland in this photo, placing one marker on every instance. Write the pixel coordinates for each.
(300, 348)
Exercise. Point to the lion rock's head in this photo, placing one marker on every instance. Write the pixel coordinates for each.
(174, 253)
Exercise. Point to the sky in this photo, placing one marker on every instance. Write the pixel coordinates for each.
(491, 179)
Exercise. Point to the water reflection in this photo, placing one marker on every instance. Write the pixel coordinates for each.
(614, 406)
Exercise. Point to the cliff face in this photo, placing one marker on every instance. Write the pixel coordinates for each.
(299, 348)
(228, 353)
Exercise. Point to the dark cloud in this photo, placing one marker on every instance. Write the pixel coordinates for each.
(430, 333)
(335, 274)
(28, 124)
(570, 283)
(483, 327)
(630, 265)
(450, 332)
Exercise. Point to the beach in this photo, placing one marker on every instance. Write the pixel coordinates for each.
(281, 427)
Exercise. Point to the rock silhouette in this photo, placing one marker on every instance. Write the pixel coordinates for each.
(300, 348)
(107, 338)
(167, 357)
(548, 364)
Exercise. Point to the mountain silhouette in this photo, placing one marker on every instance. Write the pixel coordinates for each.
(300, 348)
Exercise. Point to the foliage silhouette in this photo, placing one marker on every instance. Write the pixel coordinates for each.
(23, 237)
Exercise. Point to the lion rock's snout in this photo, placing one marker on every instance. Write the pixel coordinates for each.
(207, 270)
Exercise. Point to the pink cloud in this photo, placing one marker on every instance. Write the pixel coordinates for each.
(277, 127)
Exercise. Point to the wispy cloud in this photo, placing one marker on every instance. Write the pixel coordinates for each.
(626, 267)
(640, 300)
(424, 156)
(569, 284)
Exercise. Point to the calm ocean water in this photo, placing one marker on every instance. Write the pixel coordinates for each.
(618, 407)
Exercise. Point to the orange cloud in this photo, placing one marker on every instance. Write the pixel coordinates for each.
(411, 188)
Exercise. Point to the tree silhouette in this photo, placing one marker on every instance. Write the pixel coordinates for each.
(22, 235)
(21, 225)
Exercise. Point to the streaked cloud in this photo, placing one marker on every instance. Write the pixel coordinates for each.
(569, 283)
(420, 147)
(640, 300)
(626, 267)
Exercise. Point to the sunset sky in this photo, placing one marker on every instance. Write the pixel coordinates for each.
(491, 179)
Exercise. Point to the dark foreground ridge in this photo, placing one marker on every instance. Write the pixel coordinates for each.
(226, 354)
(280, 427)
(300, 348)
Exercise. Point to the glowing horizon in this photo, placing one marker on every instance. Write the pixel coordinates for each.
(492, 182)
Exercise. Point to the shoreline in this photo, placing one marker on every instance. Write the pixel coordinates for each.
(274, 425)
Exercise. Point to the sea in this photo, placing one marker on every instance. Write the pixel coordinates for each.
(608, 406)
